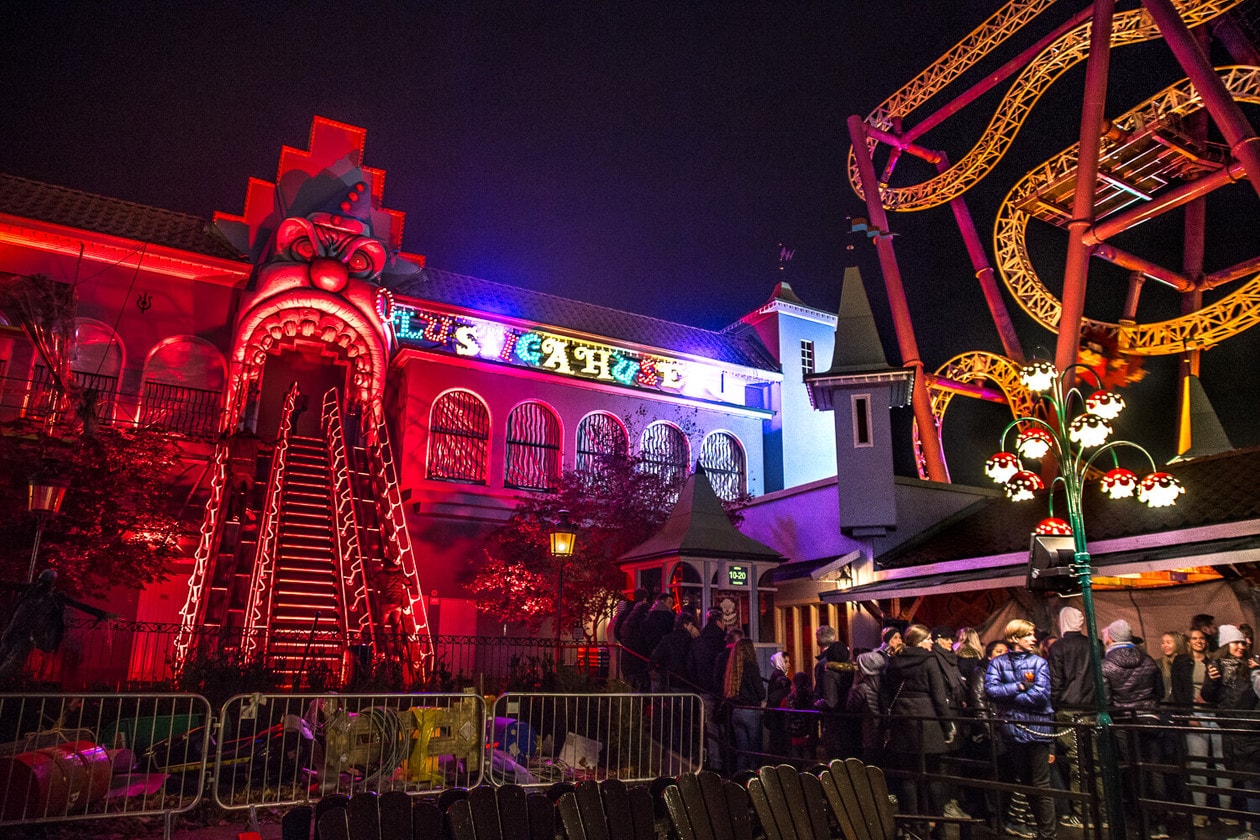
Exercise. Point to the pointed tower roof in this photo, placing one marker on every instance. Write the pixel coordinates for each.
(783, 291)
(858, 348)
(699, 527)
(1207, 435)
(858, 357)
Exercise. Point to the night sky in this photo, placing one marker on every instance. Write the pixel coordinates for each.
(645, 156)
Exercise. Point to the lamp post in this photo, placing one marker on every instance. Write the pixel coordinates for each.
(1075, 436)
(563, 540)
(46, 493)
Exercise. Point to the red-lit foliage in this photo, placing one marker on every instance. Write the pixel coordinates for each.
(116, 526)
(614, 508)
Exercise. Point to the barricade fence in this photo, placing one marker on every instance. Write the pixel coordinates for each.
(89, 756)
(93, 755)
(541, 739)
(287, 749)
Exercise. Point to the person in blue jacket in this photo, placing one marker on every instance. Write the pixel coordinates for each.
(1018, 685)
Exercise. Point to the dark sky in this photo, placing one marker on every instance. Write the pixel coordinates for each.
(645, 156)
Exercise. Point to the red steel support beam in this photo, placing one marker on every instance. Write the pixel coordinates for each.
(1229, 275)
(1156, 272)
(984, 274)
(1077, 268)
(1244, 145)
(929, 436)
(1164, 202)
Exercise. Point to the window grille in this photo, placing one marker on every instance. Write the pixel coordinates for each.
(600, 438)
(459, 438)
(665, 452)
(807, 356)
(723, 460)
(46, 399)
(533, 448)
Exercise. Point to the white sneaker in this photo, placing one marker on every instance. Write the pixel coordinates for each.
(954, 811)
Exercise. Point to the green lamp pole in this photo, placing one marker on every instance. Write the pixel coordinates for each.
(1075, 436)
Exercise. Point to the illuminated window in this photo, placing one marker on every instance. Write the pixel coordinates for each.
(600, 438)
(533, 448)
(723, 460)
(807, 356)
(665, 452)
(183, 383)
(459, 438)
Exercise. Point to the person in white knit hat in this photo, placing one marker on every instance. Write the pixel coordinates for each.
(1232, 684)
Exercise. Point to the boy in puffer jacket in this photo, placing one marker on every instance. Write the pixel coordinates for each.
(1018, 685)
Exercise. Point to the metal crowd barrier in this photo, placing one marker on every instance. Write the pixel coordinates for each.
(87, 756)
(287, 749)
(540, 739)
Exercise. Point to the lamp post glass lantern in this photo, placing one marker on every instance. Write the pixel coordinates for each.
(45, 494)
(1075, 435)
(563, 538)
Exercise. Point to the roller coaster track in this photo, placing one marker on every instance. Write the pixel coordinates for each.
(1129, 27)
(1202, 328)
(975, 367)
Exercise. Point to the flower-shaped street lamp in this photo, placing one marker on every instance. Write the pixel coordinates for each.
(1075, 434)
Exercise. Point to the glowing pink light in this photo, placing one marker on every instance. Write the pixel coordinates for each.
(1105, 404)
(1001, 467)
(1159, 489)
(1021, 486)
(1119, 483)
(1054, 526)
(1034, 443)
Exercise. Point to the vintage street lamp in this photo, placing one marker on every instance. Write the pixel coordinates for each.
(1075, 436)
(46, 493)
(563, 540)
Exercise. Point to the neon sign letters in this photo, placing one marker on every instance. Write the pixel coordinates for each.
(460, 335)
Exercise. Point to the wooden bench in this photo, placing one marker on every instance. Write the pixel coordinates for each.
(607, 810)
(704, 806)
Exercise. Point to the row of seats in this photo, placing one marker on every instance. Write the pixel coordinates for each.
(845, 800)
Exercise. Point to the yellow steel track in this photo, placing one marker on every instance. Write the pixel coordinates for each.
(1202, 328)
(1129, 27)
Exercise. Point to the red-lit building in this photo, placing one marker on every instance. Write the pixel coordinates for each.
(426, 402)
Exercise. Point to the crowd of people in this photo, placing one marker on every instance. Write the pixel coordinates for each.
(1025, 702)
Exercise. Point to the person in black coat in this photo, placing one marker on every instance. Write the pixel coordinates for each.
(744, 689)
(833, 678)
(634, 659)
(921, 721)
(776, 695)
(672, 668)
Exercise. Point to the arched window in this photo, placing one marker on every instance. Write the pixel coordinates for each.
(722, 457)
(183, 386)
(459, 438)
(533, 448)
(96, 361)
(600, 438)
(665, 452)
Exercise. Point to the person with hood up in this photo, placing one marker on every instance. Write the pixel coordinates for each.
(1017, 684)
(1072, 696)
(1135, 688)
(833, 676)
(776, 695)
(864, 699)
(921, 722)
(1233, 684)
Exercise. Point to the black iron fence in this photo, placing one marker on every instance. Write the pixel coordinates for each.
(190, 411)
(122, 655)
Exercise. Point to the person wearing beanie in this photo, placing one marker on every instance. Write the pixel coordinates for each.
(1072, 696)
(1230, 684)
(1134, 688)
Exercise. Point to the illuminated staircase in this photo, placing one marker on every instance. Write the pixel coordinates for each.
(307, 585)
